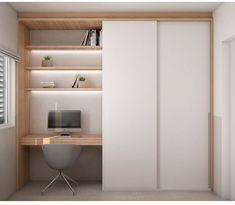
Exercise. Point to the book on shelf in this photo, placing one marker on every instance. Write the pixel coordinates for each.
(88, 40)
(92, 38)
(100, 37)
(84, 38)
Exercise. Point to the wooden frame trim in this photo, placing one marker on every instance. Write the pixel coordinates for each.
(112, 19)
(113, 15)
(211, 114)
(22, 110)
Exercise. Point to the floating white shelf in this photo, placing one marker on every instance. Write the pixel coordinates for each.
(66, 68)
(64, 89)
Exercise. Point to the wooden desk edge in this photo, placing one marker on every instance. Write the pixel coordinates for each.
(40, 139)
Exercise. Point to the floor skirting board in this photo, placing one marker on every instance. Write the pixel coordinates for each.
(92, 191)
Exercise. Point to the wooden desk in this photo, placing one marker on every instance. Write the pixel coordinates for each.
(41, 139)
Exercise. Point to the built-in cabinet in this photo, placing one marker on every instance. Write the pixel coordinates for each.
(151, 97)
(156, 100)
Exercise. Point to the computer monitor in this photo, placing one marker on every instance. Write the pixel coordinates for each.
(64, 121)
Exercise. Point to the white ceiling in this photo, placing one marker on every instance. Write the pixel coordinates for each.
(113, 7)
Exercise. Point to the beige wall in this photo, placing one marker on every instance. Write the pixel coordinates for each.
(8, 40)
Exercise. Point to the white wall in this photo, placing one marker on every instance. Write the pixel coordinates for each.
(224, 29)
(232, 117)
(8, 25)
(8, 40)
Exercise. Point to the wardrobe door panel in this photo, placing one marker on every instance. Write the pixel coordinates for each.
(184, 64)
(129, 105)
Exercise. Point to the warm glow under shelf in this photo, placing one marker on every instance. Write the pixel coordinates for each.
(62, 47)
(66, 68)
(64, 89)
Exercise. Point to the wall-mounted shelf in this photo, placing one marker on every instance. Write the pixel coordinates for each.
(65, 68)
(64, 89)
(62, 47)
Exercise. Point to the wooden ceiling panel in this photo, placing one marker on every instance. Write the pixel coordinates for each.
(63, 24)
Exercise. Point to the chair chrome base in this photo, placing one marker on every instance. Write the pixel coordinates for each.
(66, 179)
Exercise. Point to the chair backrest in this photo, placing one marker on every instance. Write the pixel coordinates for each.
(61, 156)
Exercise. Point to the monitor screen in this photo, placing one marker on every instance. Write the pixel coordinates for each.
(64, 119)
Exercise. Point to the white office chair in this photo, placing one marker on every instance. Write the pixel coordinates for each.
(61, 157)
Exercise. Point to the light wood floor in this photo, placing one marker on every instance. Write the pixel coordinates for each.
(92, 191)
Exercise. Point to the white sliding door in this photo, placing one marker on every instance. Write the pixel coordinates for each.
(129, 105)
(184, 57)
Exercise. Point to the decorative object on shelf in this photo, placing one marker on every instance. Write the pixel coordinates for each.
(47, 84)
(75, 84)
(47, 62)
(83, 82)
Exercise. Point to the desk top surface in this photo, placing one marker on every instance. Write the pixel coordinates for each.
(78, 139)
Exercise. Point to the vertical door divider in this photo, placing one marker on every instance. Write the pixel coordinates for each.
(158, 107)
